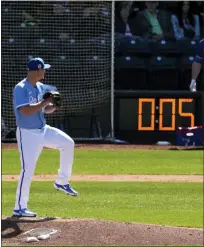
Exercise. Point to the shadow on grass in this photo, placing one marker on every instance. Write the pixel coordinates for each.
(10, 226)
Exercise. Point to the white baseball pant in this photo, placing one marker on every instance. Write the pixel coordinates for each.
(30, 145)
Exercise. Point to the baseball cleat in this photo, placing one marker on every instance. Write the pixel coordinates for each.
(66, 188)
(24, 213)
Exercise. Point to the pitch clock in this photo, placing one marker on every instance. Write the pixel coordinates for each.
(145, 115)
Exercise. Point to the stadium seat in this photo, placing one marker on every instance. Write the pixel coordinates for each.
(17, 48)
(130, 73)
(165, 47)
(163, 73)
(20, 30)
(134, 45)
(45, 47)
(14, 44)
(96, 45)
(9, 16)
(98, 64)
(62, 69)
(187, 47)
(70, 47)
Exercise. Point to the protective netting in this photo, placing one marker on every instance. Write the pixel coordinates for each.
(73, 36)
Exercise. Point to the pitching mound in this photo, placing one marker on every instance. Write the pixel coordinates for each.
(98, 232)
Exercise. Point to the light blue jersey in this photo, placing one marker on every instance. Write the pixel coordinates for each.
(25, 94)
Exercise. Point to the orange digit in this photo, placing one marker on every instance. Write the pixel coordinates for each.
(141, 102)
(186, 114)
(173, 117)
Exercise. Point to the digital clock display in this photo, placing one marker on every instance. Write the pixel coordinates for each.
(167, 112)
(144, 115)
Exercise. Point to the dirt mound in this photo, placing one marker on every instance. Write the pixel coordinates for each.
(92, 232)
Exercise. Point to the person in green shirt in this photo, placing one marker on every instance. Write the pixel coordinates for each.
(153, 23)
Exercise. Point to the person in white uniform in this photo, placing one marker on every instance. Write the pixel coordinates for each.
(33, 134)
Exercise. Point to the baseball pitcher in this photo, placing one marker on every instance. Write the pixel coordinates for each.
(31, 101)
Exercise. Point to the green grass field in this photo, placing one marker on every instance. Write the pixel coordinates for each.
(176, 204)
(113, 162)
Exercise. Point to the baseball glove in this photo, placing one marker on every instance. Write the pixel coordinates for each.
(57, 100)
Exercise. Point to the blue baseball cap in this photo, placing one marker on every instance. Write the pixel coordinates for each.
(37, 64)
